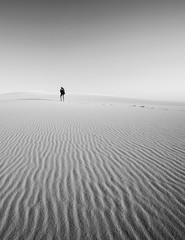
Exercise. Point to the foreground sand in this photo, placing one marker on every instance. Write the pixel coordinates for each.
(91, 168)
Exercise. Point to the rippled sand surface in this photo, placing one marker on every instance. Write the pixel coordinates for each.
(91, 170)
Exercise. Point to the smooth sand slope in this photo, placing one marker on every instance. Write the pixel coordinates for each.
(90, 168)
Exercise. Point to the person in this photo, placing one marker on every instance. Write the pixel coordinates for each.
(62, 92)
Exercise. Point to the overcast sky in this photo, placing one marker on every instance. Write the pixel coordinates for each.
(122, 48)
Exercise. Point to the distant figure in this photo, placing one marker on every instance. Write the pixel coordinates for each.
(62, 92)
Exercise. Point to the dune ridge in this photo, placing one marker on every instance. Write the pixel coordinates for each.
(82, 171)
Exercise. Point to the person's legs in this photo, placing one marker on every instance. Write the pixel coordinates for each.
(62, 97)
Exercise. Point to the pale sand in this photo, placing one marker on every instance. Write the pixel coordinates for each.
(91, 168)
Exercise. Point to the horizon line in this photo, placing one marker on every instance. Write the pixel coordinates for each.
(95, 94)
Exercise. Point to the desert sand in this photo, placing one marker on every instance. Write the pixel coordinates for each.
(92, 167)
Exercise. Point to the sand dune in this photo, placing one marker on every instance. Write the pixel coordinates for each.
(104, 169)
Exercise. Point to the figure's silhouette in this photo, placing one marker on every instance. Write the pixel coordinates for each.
(62, 92)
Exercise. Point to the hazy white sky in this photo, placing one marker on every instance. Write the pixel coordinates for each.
(123, 48)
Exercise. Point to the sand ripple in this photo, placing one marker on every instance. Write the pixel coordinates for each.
(79, 172)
